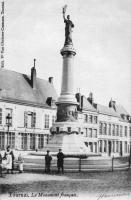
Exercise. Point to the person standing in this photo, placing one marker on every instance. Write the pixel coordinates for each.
(8, 163)
(60, 161)
(10, 152)
(20, 162)
(48, 159)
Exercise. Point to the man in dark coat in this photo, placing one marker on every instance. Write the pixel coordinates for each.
(48, 159)
(60, 161)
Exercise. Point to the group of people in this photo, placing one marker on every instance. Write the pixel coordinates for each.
(60, 161)
(7, 161)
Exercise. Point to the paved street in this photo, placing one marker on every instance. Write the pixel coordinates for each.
(116, 185)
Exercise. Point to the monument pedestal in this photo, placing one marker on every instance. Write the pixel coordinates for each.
(72, 144)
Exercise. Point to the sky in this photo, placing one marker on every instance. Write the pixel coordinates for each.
(101, 37)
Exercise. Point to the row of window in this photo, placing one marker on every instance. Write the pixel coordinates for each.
(42, 140)
(30, 122)
(114, 146)
(92, 133)
(10, 140)
(90, 119)
(29, 119)
(92, 146)
(113, 129)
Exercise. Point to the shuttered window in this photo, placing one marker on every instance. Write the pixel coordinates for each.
(46, 121)
(29, 119)
(25, 119)
(0, 116)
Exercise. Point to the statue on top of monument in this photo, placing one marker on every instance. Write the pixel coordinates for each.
(68, 27)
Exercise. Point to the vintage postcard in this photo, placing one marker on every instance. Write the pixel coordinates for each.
(65, 99)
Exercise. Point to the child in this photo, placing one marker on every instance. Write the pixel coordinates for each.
(20, 161)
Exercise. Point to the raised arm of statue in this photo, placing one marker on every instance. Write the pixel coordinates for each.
(64, 16)
(63, 11)
(68, 27)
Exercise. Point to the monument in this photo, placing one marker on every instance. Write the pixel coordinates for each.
(66, 131)
(67, 104)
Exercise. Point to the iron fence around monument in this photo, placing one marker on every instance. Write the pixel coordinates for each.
(90, 164)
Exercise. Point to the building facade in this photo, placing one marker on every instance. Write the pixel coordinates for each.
(106, 129)
(28, 111)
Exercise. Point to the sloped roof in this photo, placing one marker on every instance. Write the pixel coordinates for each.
(17, 86)
(86, 105)
(106, 110)
(121, 110)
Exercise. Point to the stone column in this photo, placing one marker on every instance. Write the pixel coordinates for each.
(67, 77)
(66, 103)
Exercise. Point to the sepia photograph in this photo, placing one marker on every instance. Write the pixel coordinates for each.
(65, 99)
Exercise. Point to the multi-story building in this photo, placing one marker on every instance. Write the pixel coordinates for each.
(88, 118)
(106, 129)
(27, 110)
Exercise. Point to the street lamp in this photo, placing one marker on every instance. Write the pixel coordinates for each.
(8, 123)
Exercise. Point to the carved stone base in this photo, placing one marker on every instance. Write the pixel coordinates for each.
(67, 113)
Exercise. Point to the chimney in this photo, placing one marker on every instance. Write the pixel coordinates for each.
(112, 104)
(33, 76)
(50, 80)
(128, 117)
(78, 98)
(90, 98)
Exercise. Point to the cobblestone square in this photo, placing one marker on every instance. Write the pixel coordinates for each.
(102, 185)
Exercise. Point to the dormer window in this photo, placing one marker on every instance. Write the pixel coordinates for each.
(51, 102)
(123, 116)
